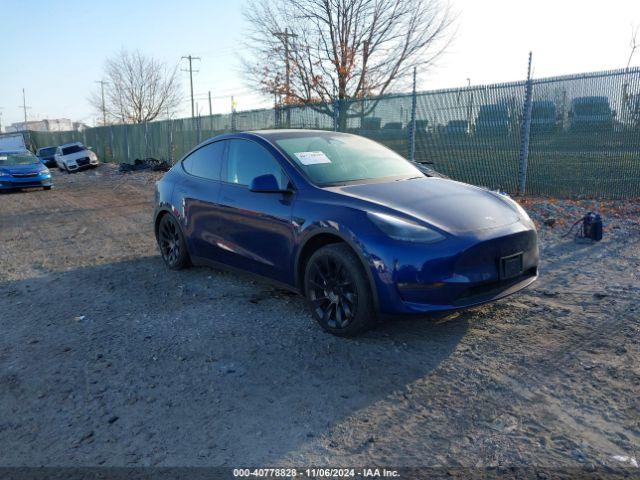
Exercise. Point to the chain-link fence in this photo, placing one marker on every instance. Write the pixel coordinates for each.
(583, 132)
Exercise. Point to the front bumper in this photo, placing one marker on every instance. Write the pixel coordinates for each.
(82, 163)
(11, 183)
(460, 272)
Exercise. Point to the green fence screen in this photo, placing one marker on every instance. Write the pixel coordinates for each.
(584, 134)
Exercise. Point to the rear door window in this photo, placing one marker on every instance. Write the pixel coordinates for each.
(206, 162)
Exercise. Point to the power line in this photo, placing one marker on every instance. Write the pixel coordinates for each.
(191, 58)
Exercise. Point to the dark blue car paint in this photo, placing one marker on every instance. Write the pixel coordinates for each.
(265, 233)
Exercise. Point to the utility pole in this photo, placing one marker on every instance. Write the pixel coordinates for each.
(104, 110)
(190, 70)
(233, 114)
(0, 119)
(210, 109)
(24, 107)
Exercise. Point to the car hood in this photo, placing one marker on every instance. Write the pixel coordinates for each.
(446, 204)
(28, 168)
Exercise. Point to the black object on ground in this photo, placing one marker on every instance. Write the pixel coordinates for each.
(145, 164)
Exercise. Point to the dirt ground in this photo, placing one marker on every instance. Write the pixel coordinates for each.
(108, 358)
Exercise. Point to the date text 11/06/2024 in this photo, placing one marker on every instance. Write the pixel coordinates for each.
(315, 472)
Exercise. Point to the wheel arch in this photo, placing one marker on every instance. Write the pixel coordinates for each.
(161, 212)
(320, 238)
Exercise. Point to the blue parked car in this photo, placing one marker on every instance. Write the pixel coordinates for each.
(23, 170)
(347, 222)
(47, 156)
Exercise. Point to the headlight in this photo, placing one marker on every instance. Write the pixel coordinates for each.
(404, 230)
(46, 171)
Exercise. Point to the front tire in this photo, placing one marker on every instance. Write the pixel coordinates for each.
(171, 241)
(338, 291)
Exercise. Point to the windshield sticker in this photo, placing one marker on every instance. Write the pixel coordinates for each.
(312, 158)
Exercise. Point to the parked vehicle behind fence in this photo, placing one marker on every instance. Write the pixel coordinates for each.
(72, 157)
(456, 127)
(344, 220)
(492, 120)
(47, 156)
(543, 117)
(591, 114)
(22, 169)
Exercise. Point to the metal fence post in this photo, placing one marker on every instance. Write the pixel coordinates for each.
(336, 109)
(411, 147)
(126, 143)
(111, 152)
(276, 116)
(198, 129)
(524, 134)
(170, 142)
(146, 140)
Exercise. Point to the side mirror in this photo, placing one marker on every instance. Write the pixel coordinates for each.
(266, 184)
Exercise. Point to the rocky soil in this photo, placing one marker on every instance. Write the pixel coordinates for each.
(109, 359)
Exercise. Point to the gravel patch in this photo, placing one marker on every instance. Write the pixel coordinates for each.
(107, 358)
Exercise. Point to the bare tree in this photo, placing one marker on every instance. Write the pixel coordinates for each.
(632, 100)
(342, 49)
(138, 89)
(633, 43)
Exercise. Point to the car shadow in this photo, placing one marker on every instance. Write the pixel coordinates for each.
(132, 364)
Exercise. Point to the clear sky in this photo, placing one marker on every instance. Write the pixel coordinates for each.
(56, 49)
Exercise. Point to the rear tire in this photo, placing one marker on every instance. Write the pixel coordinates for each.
(172, 243)
(47, 188)
(338, 291)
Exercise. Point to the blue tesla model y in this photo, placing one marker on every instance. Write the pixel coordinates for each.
(345, 221)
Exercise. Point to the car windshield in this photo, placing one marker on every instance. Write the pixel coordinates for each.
(72, 149)
(336, 158)
(9, 159)
(47, 152)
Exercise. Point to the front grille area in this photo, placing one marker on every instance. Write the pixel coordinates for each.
(488, 253)
(83, 162)
(25, 175)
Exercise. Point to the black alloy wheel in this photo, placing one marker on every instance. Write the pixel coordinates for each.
(172, 244)
(338, 291)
